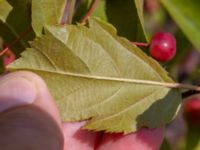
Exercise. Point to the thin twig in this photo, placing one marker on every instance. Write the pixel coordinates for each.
(140, 44)
(91, 10)
(16, 40)
(4, 51)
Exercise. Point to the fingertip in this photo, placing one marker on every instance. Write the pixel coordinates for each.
(144, 139)
(23, 88)
(16, 91)
(77, 138)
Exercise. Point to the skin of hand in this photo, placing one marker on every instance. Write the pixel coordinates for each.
(30, 120)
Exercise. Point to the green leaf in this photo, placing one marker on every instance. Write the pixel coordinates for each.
(186, 15)
(50, 12)
(94, 74)
(127, 17)
(14, 20)
(100, 10)
(84, 6)
(192, 137)
(5, 9)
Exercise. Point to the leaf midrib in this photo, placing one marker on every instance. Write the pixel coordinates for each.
(105, 78)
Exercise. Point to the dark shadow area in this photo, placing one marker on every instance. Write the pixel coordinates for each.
(17, 22)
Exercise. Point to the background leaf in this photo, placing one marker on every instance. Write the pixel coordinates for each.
(46, 12)
(187, 16)
(73, 59)
(15, 18)
(84, 6)
(126, 16)
(5, 9)
(192, 137)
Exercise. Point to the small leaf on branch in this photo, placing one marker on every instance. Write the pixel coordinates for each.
(95, 74)
(5, 8)
(51, 12)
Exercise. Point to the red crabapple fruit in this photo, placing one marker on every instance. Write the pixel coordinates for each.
(191, 109)
(163, 46)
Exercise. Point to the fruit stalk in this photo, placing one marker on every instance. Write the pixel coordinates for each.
(140, 44)
(91, 10)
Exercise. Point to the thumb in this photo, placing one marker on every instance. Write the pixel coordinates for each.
(28, 116)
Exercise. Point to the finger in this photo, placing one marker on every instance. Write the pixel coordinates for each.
(144, 139)
(22, 88)
(78, 139)
(16, 91)
(25, 88)
(29, 127)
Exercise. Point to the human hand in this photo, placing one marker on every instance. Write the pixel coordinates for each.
(29, 120)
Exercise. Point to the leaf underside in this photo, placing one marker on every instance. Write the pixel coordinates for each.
(71, 58)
